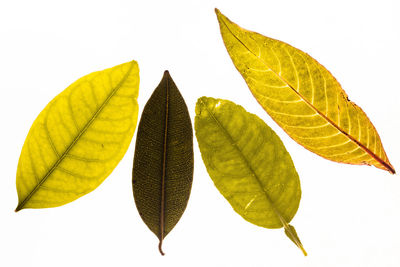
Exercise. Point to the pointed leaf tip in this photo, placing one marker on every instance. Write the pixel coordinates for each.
(220, 16)
(290, 232)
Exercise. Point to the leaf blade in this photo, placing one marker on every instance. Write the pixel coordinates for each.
(303, 98)
(248, 164)
(69, 137)
(163, 164)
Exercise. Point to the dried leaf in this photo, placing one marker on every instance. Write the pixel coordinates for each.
(248, 164)
(79, 138)
(303, 98)
(163, 163)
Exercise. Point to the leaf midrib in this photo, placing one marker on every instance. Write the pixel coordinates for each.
(162, 210)
(372, 154)
(76, 139)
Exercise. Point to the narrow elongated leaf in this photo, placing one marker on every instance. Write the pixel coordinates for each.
(79, 138)
(248, 164)
(163, 164)
(303, 98)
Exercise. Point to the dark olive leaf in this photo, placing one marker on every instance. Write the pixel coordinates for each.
(163, 164)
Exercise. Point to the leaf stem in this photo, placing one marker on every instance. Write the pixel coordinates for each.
(160, 248)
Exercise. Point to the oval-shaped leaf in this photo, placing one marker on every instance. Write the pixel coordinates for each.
(163, 163)
(248, 164)
(79, 138)
(303, 98)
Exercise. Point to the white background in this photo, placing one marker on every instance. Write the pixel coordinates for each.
(348, 215)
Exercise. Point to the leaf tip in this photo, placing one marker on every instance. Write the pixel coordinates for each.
(304, 251)
(166, 76)
(219, 14)
(290, 232)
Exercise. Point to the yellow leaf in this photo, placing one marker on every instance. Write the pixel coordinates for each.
(304, 98)
(79, 138)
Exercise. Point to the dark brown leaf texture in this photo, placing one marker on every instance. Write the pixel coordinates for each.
(163, 163)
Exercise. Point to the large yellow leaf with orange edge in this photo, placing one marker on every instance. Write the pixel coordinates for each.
(79, 138)
(304, 98)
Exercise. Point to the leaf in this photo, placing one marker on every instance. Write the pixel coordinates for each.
(163, 163)
(303, 98)
(79, 138)
(248, 164)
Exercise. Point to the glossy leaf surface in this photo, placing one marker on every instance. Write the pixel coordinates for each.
(79, 138)
(303, 98)
(248, 164)
(163, 163)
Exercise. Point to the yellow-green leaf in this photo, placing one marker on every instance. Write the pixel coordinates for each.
(249, 164)
(79, 138)
(303, 98)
